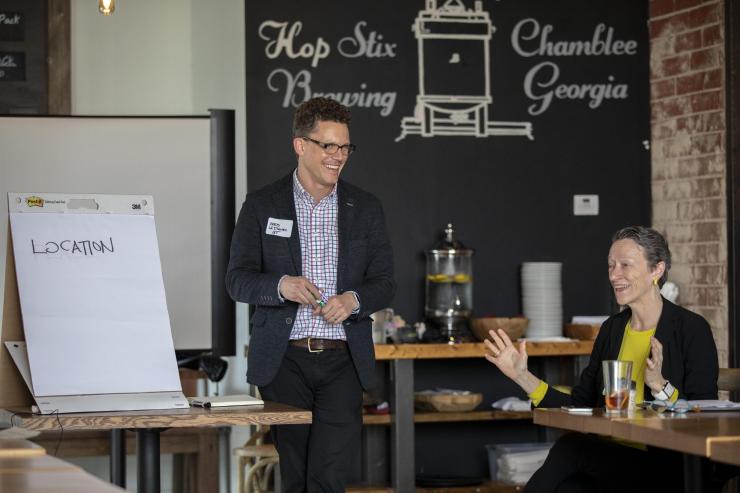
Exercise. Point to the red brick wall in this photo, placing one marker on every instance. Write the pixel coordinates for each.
(687, 64)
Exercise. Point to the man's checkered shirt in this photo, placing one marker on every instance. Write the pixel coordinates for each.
(318, 229)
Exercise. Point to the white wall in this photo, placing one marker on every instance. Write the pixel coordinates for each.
(137, 61)
(166, 57)
(219, 82)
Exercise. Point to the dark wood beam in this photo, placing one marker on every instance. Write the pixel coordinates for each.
(732, 84)
(58, 58)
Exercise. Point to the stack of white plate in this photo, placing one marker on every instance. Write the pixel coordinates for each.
(542, 298)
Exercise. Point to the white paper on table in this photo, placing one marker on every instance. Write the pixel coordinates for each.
(716, 405)
(95, 320)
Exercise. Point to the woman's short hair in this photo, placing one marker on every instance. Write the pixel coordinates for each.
(315, 110)
(653, 244)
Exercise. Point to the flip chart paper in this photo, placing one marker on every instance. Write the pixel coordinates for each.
(93, 303)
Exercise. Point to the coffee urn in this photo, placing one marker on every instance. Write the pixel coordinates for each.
(449, 290)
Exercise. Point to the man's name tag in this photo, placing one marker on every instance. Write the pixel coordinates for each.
(279, 227)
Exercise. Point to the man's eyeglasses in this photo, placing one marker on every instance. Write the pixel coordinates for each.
(330, 148)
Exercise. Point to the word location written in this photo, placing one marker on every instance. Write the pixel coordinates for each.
(73, 247)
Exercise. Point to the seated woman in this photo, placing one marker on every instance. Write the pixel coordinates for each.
(673, 356)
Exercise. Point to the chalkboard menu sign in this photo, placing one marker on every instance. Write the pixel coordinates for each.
(12, 66)
(23, 60)
(11, 26)
(490, 115)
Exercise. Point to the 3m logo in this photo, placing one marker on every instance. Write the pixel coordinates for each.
(34, 201)
(136, 207)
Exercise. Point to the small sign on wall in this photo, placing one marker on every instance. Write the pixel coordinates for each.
(11, 26)
(12, 66)
(23, 57)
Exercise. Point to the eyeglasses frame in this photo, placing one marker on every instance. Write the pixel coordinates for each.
(350, 148)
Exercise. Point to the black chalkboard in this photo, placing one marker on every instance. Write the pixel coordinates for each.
(496, 137)
(11, 26)
(12, 66)
(23, 64)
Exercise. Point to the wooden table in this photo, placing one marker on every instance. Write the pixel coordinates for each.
(149, 424)
(714, 435)
(401, 359)
(726, 450)
(13, 448)
(195, 452)
(43, 473)
(476, 350)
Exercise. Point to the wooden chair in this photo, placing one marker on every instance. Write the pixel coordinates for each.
(258, 459)
(729, 379)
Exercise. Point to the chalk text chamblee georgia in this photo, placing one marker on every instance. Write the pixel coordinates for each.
(529, 38)
(541, 83)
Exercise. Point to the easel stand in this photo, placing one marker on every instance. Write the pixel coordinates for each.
(76, 337)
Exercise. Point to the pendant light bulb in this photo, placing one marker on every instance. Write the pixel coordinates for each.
(106, 7)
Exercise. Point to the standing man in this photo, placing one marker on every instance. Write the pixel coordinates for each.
(312, 253)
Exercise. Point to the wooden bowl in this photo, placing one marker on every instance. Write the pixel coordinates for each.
(581, 331)
(447, 403)
(515, 327)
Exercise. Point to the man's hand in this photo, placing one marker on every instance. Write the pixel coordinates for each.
(300, 290)
(338, 308)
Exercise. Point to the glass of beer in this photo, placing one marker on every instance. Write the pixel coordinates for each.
(617, 379)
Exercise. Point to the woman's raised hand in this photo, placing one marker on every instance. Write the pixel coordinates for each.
(511, 361)
(654, 366)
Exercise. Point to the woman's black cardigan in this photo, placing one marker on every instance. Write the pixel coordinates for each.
(689, 358)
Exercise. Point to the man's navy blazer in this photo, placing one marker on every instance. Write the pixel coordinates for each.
(258, 261)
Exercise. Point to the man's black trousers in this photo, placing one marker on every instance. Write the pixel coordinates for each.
(319, 457)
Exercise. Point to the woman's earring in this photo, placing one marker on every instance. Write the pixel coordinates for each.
(655, 281)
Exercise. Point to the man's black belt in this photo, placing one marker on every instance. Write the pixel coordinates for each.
(318, 345)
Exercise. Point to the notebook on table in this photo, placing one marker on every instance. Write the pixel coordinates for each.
(225, 401)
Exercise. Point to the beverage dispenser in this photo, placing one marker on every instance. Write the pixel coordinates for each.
(449, 290)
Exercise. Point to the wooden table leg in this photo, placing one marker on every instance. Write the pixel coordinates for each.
(208, 461)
